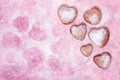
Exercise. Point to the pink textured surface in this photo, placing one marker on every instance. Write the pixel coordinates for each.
(35, 45)
(21, 23)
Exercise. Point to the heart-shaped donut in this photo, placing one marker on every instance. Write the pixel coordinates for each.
(102, 60)
(86, 50)
(93, 16)
(99, 36)
(67, 14)
(79, 31)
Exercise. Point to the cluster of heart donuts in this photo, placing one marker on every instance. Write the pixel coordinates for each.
(99, 37)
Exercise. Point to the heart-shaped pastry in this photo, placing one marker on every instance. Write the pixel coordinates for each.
(86, 50)
(99, 36)
(67, 14)
(102, 60)
(78, 31)
(93, 16)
